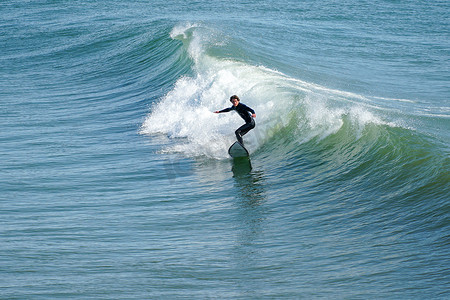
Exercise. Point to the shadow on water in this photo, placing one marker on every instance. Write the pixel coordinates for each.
(249, 182)
(250, 192)
(241, 166)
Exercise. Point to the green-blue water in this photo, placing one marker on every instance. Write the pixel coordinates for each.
(115, 180)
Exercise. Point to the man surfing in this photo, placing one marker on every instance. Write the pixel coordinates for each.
(245, 112)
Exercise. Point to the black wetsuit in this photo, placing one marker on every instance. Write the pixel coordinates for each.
(246, 113)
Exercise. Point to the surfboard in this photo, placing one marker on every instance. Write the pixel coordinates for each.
(237, 150)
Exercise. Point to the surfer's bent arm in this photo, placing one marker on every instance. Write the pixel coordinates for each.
(250, 110)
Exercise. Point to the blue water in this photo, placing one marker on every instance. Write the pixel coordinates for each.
(115, 179)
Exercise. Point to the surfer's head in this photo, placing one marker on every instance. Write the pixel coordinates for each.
(235, 100)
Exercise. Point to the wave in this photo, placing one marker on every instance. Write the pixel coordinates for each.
(344, 136)
(186, 111)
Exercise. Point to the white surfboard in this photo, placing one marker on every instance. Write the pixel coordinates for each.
(238, 150)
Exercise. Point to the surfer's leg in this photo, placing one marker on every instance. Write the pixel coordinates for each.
(239, 135)
(241, 131)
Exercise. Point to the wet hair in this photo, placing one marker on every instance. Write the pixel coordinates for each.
(235, 97)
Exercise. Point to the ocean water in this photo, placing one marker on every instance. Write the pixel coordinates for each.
(115, 179)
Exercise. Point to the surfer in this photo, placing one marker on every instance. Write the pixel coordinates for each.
(245, 112)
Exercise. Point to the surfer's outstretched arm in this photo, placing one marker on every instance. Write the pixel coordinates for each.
(223, 110)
